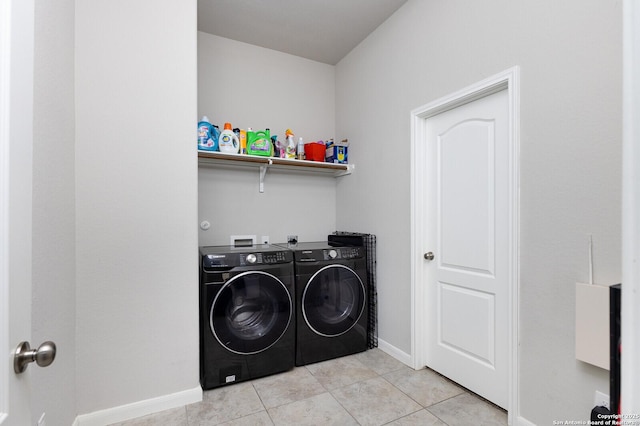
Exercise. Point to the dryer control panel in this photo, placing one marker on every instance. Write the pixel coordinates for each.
(335, 253)
(343, 253)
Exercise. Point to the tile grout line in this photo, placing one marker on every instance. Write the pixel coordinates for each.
(334, 397)
(261, 402)
(422, 407)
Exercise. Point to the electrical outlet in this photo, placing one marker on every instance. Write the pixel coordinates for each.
(602, 400)
(265, 239)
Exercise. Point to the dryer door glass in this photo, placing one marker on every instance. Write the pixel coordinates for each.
(333, 300)
(251, 312)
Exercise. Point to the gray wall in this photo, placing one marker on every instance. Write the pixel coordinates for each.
(251, 86)
(136, 201)
(54, 292)
(570, 58)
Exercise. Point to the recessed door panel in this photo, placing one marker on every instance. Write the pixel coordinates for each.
(467, 194)
(476, 341)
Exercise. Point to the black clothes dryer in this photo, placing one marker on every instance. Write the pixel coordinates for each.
(247, 316)
(331, 299)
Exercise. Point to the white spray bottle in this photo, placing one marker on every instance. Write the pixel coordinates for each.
(291, 146)
(300, 149)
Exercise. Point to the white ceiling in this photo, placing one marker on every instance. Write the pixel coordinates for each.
(321, 30)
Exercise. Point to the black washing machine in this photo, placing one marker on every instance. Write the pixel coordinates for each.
(331, 299)
(247, 314)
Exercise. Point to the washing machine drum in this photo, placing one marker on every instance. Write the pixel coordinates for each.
(333, 300)
(251, 312)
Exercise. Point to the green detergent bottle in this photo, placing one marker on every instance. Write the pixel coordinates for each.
(259, 143)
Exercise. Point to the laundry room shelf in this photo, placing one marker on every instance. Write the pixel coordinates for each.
(265, 163)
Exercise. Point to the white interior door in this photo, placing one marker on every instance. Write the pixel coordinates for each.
(16, 129)
(467, 227)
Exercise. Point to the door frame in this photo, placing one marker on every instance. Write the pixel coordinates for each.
(630, 317)
(5, 57)
(16, 149)
(507, 80)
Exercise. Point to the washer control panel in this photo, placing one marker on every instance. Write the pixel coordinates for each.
(264, 258)
(229, 260)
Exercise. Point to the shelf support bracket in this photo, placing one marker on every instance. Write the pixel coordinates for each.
(350, 168)
(263, 172)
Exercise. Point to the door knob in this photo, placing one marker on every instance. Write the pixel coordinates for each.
(43, 356)
(429, 255)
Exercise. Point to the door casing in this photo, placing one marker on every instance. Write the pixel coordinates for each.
(16, 152)
(507, 80)
(5, 22)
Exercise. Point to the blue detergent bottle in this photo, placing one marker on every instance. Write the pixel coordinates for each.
(208, 135)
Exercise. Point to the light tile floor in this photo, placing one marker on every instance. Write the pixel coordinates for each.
(370, 388)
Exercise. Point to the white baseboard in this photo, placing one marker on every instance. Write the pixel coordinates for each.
(398, 354)
(521, 421)
(140, 408)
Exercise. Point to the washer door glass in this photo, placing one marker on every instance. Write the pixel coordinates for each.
(251, 312)
(333, 300)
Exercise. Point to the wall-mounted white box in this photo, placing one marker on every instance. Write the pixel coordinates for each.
(592, 324)
(242, 240)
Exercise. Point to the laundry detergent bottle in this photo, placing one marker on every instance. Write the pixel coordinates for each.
(259, 143)
(207, 135)
(228, 141)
